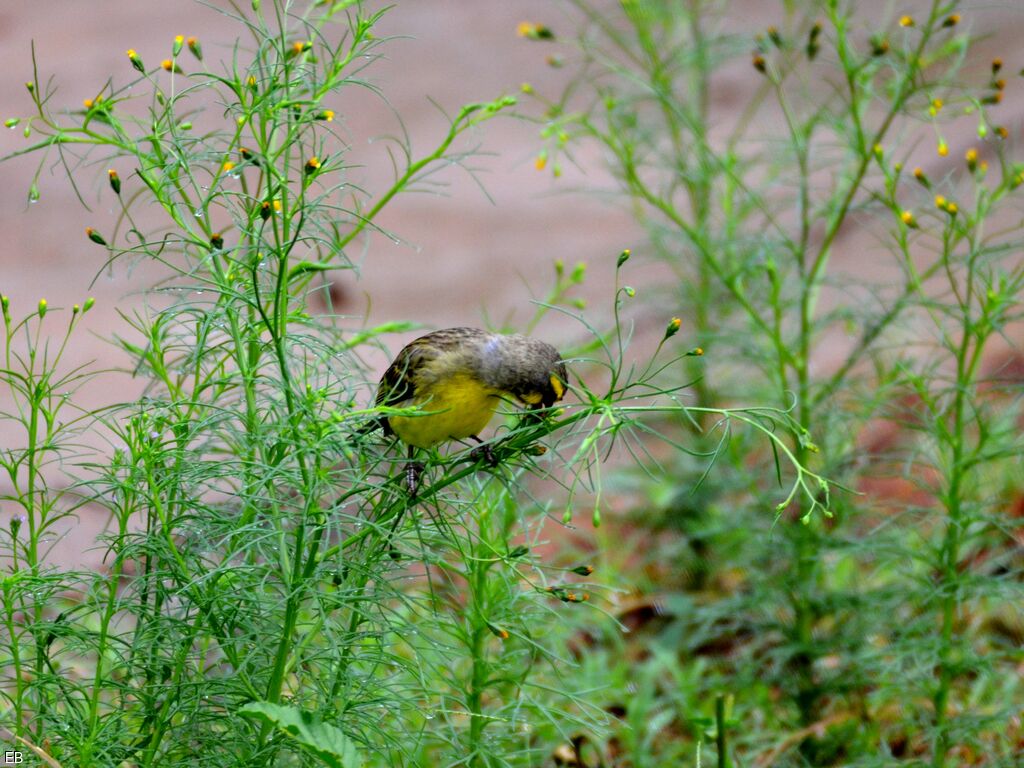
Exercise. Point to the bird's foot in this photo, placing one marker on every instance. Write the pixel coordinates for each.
(413, 470)
(485, 452)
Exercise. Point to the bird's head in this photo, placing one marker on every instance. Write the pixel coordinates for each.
(530, 370)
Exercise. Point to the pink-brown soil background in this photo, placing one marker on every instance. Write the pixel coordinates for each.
(462, 252)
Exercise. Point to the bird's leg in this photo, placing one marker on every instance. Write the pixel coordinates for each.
(413, 470)
(483, 450)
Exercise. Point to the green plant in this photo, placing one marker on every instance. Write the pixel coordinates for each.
(748, 209)
(271, 594)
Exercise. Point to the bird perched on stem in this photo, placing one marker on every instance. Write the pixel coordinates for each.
(457, 377)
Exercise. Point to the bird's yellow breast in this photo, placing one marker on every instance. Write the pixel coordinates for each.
(453, 407)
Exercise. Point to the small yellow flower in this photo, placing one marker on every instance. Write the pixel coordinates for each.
(541, 162)
(759, 63)
(227, 167)
(534, 31)
(277, 206)
(87, 103)
(997, 64)
(115, 181)
(951, 209)
(526, 88)
(251, 81)
(179, 41)
(940, 202)
(920, 176)
(907, 217)
(971, 156)
(195, 48)
(942, 148)
(1001, 131)
(327, 115)
(312, 165)
(906, 21)
(952, 20)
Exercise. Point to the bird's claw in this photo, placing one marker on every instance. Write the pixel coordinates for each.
(485, 452)
(413, 470)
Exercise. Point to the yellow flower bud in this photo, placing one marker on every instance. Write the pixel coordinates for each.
(673, 327)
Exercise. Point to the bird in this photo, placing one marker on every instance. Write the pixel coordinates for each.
(457, 377)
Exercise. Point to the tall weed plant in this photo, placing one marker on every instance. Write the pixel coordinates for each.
(270, 594)
(891, 631)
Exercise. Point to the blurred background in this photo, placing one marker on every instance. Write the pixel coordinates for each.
(481, 240)
(697, 558)
(473, 250)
